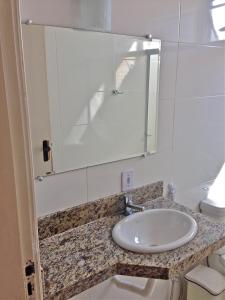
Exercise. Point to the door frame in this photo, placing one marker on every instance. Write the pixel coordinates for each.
(19, 237)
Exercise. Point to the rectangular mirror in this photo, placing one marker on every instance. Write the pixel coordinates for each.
(93, 96)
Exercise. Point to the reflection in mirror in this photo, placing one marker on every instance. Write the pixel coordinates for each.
(92, 96)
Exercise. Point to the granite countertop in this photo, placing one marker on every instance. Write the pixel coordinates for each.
(82, 257)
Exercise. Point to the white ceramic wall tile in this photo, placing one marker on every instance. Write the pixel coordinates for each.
(61, 191)
(201, 21)
(165, 125)
(42, 11)
(168, 70)
(72, 13)
(192, 196)
(200, 71)
(199, 148)
(105, 179)
(156, 167)
(159, 18)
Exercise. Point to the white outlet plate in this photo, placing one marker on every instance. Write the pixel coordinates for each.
(127, 180)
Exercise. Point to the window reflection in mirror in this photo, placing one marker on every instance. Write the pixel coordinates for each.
(218, 20)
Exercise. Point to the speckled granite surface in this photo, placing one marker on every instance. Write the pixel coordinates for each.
(79, 215)
(85, 256)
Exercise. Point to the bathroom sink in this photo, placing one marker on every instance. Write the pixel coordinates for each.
(155, 230)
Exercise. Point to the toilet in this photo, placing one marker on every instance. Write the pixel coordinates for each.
(208, 282)
(205, 283)
(216, 213)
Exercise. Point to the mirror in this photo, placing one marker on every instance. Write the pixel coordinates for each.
(92, 96)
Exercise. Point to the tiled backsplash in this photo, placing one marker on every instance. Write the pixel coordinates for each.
(191, 137)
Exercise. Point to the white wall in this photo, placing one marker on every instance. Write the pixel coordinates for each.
(192, 102)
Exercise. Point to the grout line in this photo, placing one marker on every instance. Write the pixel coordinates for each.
(179, 21)
(196, 44)
(166, 99)
(175, 94)
(198, 98)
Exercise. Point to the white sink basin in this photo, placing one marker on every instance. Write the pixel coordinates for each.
(155, 230)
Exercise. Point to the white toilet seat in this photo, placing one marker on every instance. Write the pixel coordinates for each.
(215, 212)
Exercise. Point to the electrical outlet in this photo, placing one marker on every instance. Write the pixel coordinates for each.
(127, 180)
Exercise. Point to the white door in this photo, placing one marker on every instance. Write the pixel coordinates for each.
(18, 230)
